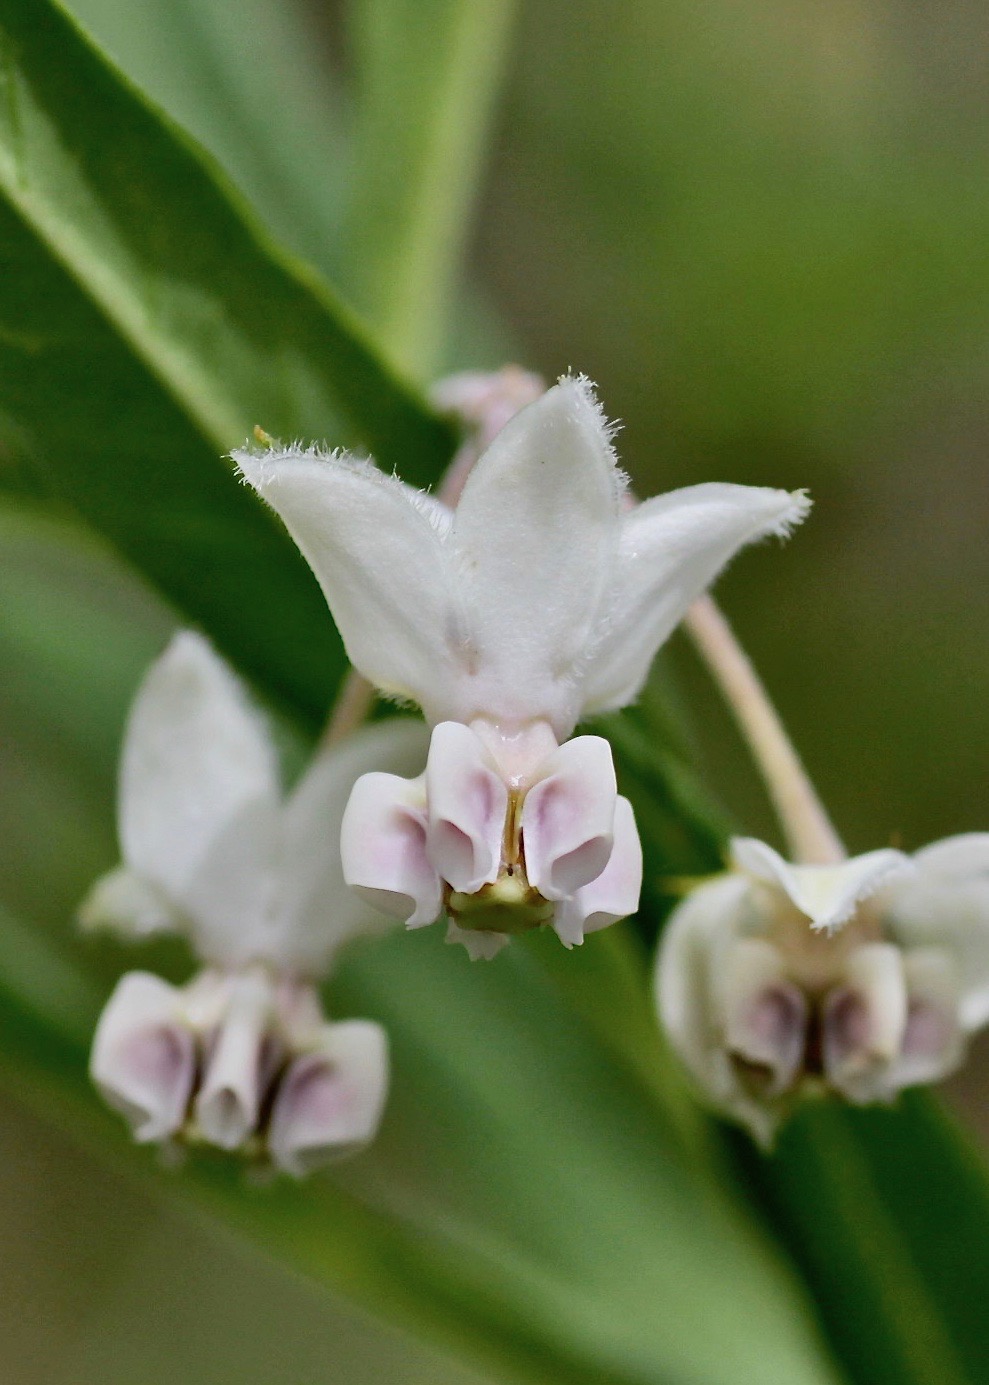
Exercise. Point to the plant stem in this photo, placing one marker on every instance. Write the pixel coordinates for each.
(810, 835)
(349, 711)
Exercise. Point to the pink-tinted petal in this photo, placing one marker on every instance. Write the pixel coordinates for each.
(144, 1055)
(614, 894)
(568, 818)
(330, 1100)
(383, 848)
(764, 1014)
(864, 1021)
(467, 805)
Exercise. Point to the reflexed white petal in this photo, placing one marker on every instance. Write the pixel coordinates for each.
(695, 943)
(946, 905)
(232, 893)
(864, 1021)
(144, 1055)
(378, 553)
(673, 547)
(536, 534)
(196, 757)
(764, 1015)
(467, 806)
(614, 894)
(480, 945)
(330, 1100)
(828, 895)
(383, 848)
(238, 1065)
(130, 905)
(568, 818)
(316, 911)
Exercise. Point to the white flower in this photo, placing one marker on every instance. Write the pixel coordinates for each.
(864, 977)
(543, 598)
(241, 1057)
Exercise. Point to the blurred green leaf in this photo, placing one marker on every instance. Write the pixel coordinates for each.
(524, 1202)
(887, 1212)
(426, 76)
(145, 324)
(152, 233)
(253, 83)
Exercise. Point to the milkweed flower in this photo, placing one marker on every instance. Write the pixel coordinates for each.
(242, 1057)
(863, 977)
(541, 599)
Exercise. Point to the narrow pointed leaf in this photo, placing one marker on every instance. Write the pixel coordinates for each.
(426, 77)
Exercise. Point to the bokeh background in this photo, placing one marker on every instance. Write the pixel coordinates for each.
(762, 229)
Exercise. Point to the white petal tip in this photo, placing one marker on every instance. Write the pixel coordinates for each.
(797, 507)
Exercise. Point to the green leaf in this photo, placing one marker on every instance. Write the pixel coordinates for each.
(253, 83)
(426, 77)
(524, 1203)
(887, 1212)
(144, 324)
(147, 227)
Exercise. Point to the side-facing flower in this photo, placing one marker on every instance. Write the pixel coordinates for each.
(542, 598)
(863, 977)
(242, 1056)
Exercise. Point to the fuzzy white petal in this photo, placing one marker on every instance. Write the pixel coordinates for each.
(828, 895)
(378, 552)
(330, 1100)
(568, 818)
(672, 547)
(383, 848)
(196, 758)
(946, 905)
(144, 1055)
(468, 803)
(536, 534)
(614, 894)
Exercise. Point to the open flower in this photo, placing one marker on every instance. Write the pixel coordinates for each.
(541, 599)
(241, 1057)
(863, 977)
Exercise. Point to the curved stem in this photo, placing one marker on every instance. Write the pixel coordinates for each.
(349, 711)
(810, 835)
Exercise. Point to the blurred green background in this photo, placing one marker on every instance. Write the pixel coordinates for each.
(762, 230)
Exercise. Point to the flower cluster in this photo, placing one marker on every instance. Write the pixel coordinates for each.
(242, 1057)
(863, 977)
(540, 599)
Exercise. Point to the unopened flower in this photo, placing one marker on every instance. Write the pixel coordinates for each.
(863, 978)
(242, 1057)
(541, 599)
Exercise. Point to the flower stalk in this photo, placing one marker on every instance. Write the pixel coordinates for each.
(808, 830)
